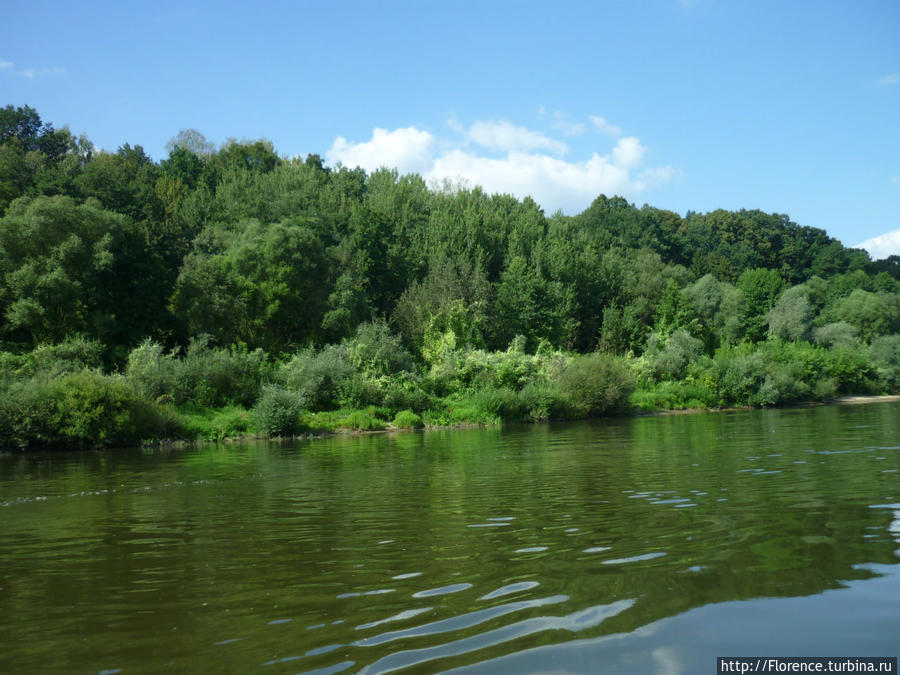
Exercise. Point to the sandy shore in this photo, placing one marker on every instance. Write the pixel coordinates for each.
(854, 400)
(843, 400)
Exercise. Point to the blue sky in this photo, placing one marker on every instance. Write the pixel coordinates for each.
(790, 107)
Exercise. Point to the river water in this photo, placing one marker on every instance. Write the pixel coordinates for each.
(638, 545)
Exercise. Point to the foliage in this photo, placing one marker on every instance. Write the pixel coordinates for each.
(318, 376)
(214, 424)
(375, 351)
(278, 411)
(82, 408)
(67, 268)
(204, 376)
(668, 358)
(213, 275)
(593, 384)
(407, 419)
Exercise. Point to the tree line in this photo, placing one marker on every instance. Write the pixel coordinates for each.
(239, 249)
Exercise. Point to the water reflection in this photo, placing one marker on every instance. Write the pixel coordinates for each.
(645, 545)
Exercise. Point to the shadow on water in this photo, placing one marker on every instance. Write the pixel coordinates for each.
(644, 545)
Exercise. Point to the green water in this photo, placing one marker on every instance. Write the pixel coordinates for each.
(643, 545)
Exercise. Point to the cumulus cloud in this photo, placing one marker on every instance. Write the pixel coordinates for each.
(600, 124)
(552, 182)
(409, 150)
(889, 80)
(883, 245)
(628, 152)
(508, 137)
(529, 164)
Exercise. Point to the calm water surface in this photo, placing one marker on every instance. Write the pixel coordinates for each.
(646, 545)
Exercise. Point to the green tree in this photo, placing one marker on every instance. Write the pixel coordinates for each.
(263, 285)
(760, 289)
(68, 269)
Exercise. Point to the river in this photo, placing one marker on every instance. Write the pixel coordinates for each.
(634, 545)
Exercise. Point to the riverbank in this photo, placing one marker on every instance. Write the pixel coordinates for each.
(60, 396)
(389, 428)
(323, 425)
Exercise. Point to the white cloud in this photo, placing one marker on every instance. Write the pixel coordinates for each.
(508, 137)
(629, 153)
(659, 175)
(603, 126)
(29, 73)
(409, 150)
(529, 166)
(888, 80)
(554, 183)
(566, 126)
(883, 245)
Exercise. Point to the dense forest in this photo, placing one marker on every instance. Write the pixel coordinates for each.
(227, 291)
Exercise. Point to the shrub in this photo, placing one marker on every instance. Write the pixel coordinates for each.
(151, 371)
(363, 420)
(205, 376)
(278, 411)
(596, 383)
(497, 402)
(217, 377)
(374, 351)
(407, 419)
(71, 355)
(83, 408)
(542, 400)
(838, 334)
(668, 360)
(318, 376)
(214, 425)
(741, 377)
(885, 355)
(674, 396)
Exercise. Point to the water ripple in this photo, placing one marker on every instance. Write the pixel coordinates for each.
(443, 590)
(577, 621)
(460, 622)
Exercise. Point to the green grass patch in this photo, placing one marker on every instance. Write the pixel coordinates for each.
(407, 419)
(214, 424)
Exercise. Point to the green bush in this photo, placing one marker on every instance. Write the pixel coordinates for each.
(375, 351)
(594, 384)
(395, 393)
(71, 355)
(407, 419)
(498, 403)
(885, 356)
(674, 396)
(152, 372)
(318, 376)
(214, 424)
(206, 376)
(83, 408)
(363, 420)
(838, 334)
(542, 400)
(668, 359)
(215, 377)
(512, 369)
(740, 377)
(278, 411)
